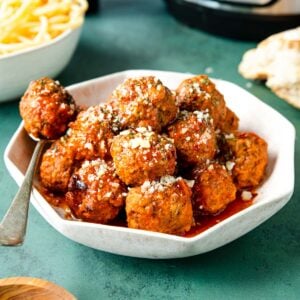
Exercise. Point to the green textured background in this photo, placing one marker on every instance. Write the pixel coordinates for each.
(264, 264)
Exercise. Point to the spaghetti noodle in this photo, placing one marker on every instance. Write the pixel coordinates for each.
(29, 23)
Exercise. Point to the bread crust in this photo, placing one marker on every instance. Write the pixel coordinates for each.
(277, 61)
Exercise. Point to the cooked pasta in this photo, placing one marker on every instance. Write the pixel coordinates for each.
(29, 23)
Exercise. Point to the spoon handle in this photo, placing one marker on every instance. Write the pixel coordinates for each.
(13, 225)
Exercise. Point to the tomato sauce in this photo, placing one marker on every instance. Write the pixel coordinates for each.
(203, 222)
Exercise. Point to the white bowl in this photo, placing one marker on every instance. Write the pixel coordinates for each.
(272, 195)
(18, 69)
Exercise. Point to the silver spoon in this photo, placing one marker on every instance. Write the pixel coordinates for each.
(14, 223)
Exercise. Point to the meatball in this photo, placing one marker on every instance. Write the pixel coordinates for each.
(213, 189)
(90, 135)
(142, 154)
(46, 109)
(162, 206)
(200, 93)
(231, 122)
(143, 102)
(95, 193)
(56, 166)
(194, 137)
(250, 156)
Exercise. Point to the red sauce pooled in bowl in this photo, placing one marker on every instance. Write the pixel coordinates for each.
(202, 222)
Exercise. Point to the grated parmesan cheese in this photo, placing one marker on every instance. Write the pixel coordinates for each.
(190, 183)
(246, 195)
(229, 165)
(149, 187)
(202, 115)
(88, 146)
(210, 167)
(139, 142)
(229, 136)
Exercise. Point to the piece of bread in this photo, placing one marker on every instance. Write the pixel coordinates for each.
(276, 60)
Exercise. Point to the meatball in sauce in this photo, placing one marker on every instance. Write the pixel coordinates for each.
(194, 137)
(162, 206)
(142, 154)
(200, 93)
(127, 161)
(46, 109)
(95, 193)
(143, 102)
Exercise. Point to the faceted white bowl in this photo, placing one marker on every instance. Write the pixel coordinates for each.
(272, 195)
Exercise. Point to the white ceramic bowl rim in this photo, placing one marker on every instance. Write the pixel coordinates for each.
(260, 210)
(38, 47)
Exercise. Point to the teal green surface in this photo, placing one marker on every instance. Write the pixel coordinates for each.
(264, 264)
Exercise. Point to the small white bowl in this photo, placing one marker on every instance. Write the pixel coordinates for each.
(18, 69)
(272, 195)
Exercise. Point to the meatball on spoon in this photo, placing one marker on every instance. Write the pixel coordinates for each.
(46, 109)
